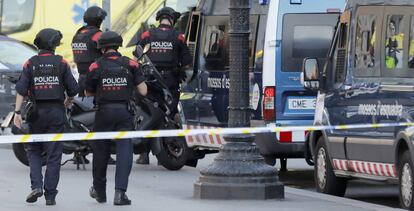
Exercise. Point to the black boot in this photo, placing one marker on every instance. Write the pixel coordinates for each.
(51, 201)
(143, 159)
(121, 198)
(32, 197)
(100, 197)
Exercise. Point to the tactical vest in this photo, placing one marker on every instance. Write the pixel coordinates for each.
(47, 78)
(83, 47)
(115, 83)
(164, 45)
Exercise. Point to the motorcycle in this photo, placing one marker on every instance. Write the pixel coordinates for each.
(149, 114)
(154, 113)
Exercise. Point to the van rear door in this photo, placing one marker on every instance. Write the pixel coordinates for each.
(303, 35)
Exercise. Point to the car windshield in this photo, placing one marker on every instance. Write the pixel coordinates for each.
(16, 15)
(13, 55)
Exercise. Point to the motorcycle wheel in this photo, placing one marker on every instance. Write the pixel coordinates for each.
(174, 153)
(20, 153)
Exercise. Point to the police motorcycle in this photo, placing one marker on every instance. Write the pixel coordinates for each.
(150, 114)
(153, 114)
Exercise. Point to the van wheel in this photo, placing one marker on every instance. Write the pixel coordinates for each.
(406, 181)
(325, 179)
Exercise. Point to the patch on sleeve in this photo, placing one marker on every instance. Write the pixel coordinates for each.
(145, 35)
(181, 37)
(133, 64)
(26, 64)
(96, 36)
(93, 67)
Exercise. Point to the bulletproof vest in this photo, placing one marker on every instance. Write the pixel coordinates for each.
(83, 47)
(163, 51)
(47, 78)
(115, 81)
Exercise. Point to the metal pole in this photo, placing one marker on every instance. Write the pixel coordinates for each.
(106, 5)
(239, 171)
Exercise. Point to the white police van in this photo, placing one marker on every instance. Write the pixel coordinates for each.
(368, 79)
(295, 29)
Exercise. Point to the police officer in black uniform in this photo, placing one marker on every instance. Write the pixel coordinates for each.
(84, 43)
(170, 54)
(45, 79)
(112, 80)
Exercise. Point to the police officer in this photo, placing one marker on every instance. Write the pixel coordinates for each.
(170, 55)
(84, 43)
(45, 79)
(112, 80)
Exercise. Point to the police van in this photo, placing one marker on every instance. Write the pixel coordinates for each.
(204, 100)
(282, 34)
(298, 29)
(368, 78)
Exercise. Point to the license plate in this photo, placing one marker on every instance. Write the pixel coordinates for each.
(305, 104)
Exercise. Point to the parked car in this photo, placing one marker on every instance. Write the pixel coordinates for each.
(368, 79)
(13, 54)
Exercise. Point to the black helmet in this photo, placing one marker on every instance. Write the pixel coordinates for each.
(168, 12)
(109, 39)
(48, 39)
(94, 16)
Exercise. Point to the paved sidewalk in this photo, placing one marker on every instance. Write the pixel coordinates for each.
(151, 188)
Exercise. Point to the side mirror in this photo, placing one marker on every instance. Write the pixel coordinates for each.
(310, 73)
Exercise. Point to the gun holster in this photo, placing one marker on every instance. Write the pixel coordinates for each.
(31, 112)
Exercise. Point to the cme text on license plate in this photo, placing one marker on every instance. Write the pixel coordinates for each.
(302, 103)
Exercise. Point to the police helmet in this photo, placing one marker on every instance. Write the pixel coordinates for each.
(94, 16)
(110, 39)
(48, 39)
(169, 13)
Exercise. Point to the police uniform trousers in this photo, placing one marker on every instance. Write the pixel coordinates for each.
(49, 118)
(112, 117)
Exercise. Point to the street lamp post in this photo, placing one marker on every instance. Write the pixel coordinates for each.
(239, 171)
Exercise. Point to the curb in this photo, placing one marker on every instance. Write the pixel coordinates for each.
(336, 199)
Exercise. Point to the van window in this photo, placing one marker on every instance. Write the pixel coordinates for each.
(340, 53)
(215, 47)
(306, 35)
(215, 51)
(16, 16)
(394, 42)
(365, 42)
(411, 50)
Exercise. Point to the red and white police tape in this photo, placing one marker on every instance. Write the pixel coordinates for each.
(117, 135)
